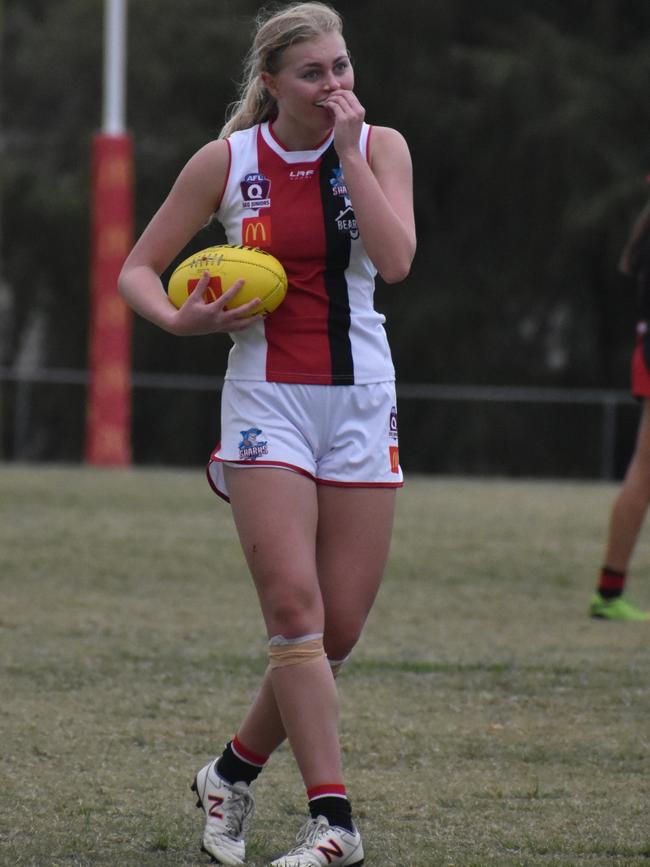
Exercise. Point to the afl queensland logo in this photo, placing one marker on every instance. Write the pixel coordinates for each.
(255, 191)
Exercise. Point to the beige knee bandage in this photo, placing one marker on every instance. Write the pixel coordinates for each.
(294, 651)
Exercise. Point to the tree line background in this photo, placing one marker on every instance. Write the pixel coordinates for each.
(528, 125)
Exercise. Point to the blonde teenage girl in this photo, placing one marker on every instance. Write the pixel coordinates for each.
(298, 170)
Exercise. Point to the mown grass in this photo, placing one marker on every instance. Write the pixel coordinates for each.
(486, 721)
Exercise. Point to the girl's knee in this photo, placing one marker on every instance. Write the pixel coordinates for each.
(293, 610)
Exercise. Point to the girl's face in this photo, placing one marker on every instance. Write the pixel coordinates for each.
(309, 72)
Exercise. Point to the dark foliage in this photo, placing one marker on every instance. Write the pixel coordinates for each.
(528, 128)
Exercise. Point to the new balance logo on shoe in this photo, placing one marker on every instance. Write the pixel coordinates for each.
(331, 849)
(215, 802)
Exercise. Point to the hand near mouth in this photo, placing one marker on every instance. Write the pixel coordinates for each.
(348, 114)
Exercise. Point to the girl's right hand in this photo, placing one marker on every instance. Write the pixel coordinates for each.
(198, 315)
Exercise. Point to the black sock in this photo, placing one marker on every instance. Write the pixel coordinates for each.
(337, 811)
(235, 770)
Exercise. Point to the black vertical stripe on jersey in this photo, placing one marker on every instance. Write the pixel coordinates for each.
(337, 259)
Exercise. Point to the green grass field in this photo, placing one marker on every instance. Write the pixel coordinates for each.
(486, 720)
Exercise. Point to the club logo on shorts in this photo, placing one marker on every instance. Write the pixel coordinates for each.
(393, 449)
(251, 447)
(255, 191)
(392, 424)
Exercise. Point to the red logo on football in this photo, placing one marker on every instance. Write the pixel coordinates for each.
(213, 291)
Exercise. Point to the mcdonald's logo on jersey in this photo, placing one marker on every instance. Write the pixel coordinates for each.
(256, 232)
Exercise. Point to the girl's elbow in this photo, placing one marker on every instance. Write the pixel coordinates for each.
(396, 270)
(126, 280)
(393, 276)
(123, 287)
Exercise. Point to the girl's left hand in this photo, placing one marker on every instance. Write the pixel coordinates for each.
(349, 115)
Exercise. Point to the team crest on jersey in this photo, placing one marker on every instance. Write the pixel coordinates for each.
(251, 446)
(256, 191)
(346, 222)
(337, 182)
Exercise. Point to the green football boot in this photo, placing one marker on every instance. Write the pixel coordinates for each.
(617, 608)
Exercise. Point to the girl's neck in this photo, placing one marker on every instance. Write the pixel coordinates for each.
(298, 138)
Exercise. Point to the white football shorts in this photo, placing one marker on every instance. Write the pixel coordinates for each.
(334, 434)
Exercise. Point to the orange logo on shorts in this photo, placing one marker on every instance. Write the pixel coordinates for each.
(393, 451)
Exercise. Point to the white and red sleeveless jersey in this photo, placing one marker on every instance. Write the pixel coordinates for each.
(295, 205)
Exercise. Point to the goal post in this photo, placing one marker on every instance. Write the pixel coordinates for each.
(108, 406)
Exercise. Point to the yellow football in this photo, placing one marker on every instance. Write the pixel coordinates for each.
(264, 275)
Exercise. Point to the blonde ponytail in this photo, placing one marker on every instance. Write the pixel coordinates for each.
(276, 30)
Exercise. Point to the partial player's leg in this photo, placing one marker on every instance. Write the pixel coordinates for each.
(626, 519)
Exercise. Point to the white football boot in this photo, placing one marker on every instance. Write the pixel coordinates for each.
(323, 845)
(227, 811)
